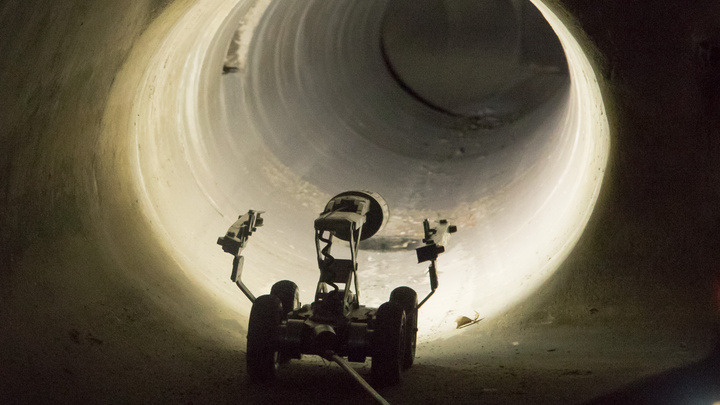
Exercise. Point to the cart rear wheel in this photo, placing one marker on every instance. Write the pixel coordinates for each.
(262, 351)
(406, 297)
(289, 295)
(388, 344)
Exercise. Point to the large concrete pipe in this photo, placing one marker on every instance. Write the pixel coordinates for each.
(127, 153)
(315, 111)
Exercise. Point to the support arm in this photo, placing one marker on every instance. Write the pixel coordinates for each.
(435, 240)
(235, 240)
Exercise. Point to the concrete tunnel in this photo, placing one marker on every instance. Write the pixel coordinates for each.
(574, 145)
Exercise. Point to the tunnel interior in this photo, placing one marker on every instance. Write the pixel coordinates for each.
(323, 111)
(516, 120)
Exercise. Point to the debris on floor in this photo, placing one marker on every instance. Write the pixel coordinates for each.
(464, 321)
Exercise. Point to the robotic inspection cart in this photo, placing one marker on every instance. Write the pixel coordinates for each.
(335, 325)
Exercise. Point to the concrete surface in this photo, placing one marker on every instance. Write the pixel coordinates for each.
(102, 297)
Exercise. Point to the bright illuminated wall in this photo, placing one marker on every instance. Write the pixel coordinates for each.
(314, 111)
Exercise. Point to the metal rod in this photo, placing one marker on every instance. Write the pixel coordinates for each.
(354, 374)
(236, 276)
(433, 282)
(426, 298)
(245, 291)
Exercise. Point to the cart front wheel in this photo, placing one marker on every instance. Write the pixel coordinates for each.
(388, 344)
(406, 297)
(262, 351)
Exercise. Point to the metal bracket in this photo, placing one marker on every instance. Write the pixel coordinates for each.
(435, 240)
(235, 240)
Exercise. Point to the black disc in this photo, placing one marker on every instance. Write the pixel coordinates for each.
(376, 217)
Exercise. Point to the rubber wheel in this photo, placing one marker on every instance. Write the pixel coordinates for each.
(262, 354)
(289, 295)
(406, 297)
(388, 344)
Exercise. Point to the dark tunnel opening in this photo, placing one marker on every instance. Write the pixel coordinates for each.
(491, 61)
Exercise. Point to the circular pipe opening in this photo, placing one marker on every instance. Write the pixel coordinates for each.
(314, 110)
(494, 60)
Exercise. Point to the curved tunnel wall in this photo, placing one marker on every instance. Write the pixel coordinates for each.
(316, 112)
(92, 308)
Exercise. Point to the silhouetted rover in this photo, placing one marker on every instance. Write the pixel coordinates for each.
(335, 325)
